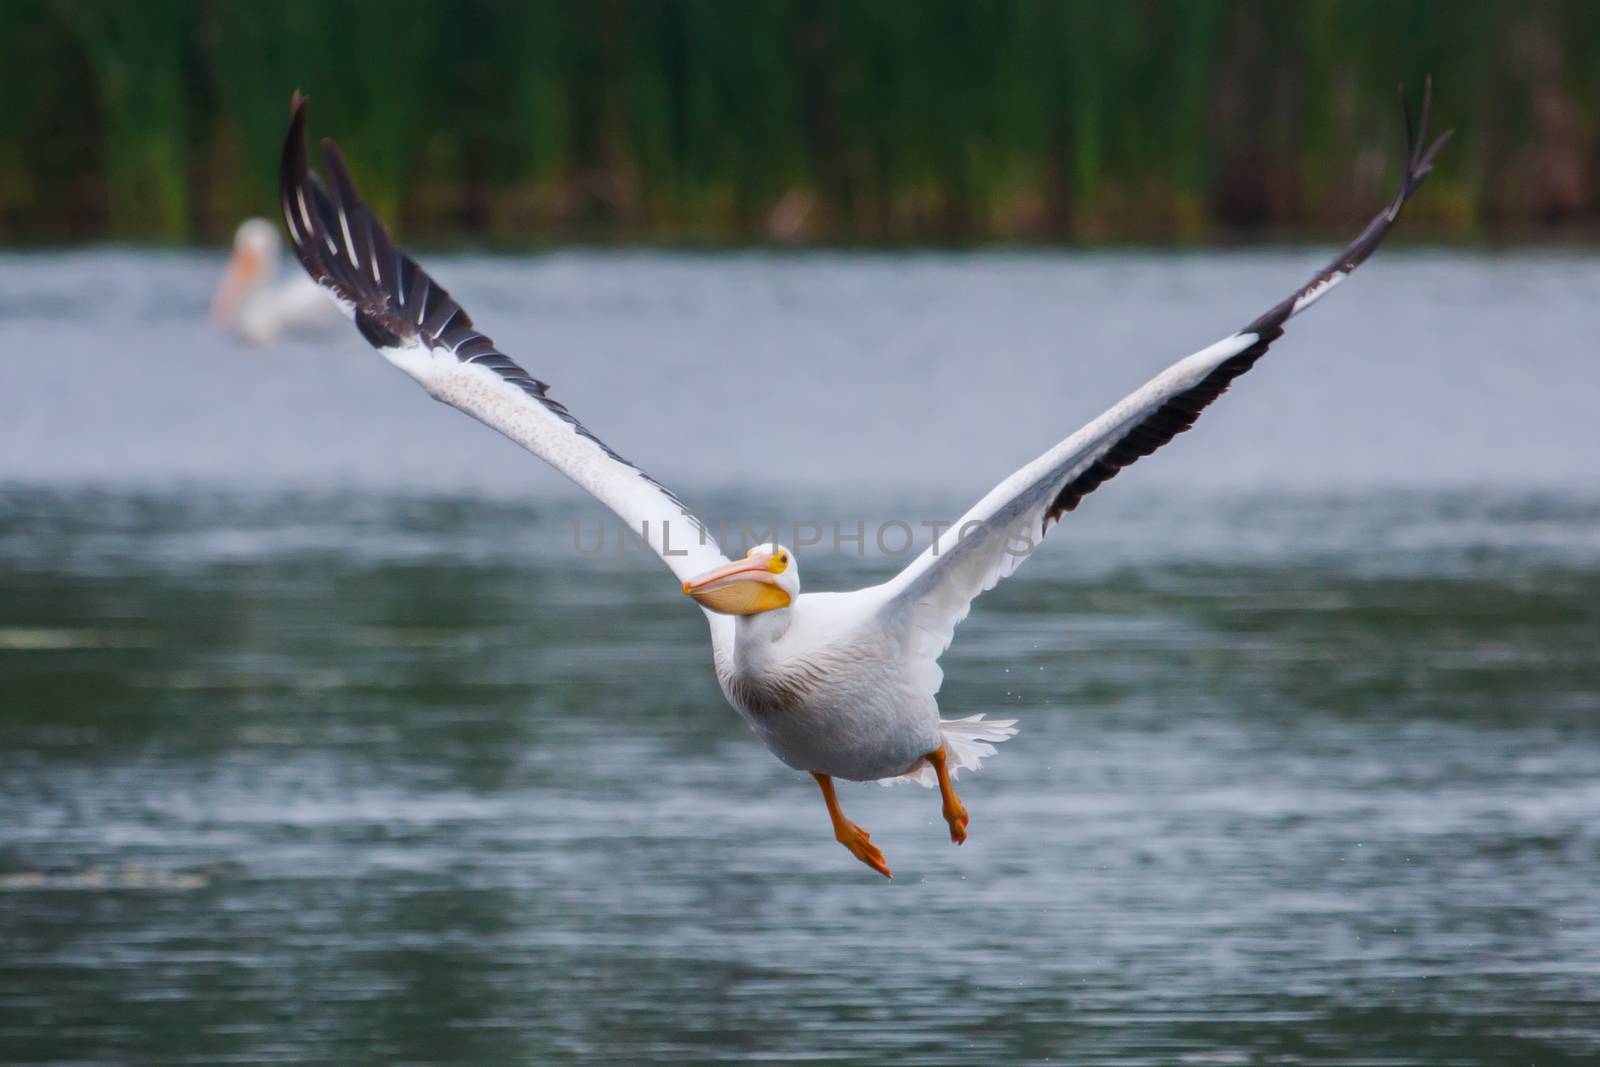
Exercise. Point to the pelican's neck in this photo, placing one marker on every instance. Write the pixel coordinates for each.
(257, 298)
(271, 260)
(754, 636)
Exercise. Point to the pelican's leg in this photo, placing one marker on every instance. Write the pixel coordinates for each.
(847, 833)
(955, 812)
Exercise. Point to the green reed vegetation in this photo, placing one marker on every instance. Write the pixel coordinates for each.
(827, 120)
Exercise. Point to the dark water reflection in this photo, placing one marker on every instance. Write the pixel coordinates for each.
(1301, 780)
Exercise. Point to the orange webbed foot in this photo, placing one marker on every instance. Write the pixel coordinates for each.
(859, 842)
(847, 833)
(955, 812)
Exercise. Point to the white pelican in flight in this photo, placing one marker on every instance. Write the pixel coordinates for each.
(839, 685)
(253, 302)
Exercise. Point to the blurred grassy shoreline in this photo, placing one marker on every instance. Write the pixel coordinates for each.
(1579, 241)
(701, 124)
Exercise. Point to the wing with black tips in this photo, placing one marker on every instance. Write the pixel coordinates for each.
(934, 593)
(418, 326)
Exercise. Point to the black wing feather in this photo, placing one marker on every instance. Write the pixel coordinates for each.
(394, 301)
(1179, 413)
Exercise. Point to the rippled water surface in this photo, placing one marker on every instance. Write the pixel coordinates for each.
(320, 742)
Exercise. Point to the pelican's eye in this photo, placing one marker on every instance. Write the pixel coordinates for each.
(779, 563)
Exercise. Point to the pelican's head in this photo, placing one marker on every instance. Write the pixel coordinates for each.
(767, 578)
(255, 254)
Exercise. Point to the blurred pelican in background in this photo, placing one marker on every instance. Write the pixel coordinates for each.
(258, 305)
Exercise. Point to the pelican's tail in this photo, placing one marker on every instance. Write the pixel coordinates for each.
(969, 741)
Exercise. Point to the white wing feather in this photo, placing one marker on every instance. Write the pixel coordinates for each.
(934, 593)
(420, 328)
(930, 598)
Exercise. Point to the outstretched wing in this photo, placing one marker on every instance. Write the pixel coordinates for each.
(419, 327)
(933, 594)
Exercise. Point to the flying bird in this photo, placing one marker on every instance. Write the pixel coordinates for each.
(253, 302)
(837, 684)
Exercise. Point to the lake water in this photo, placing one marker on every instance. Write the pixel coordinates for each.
(320, 742)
